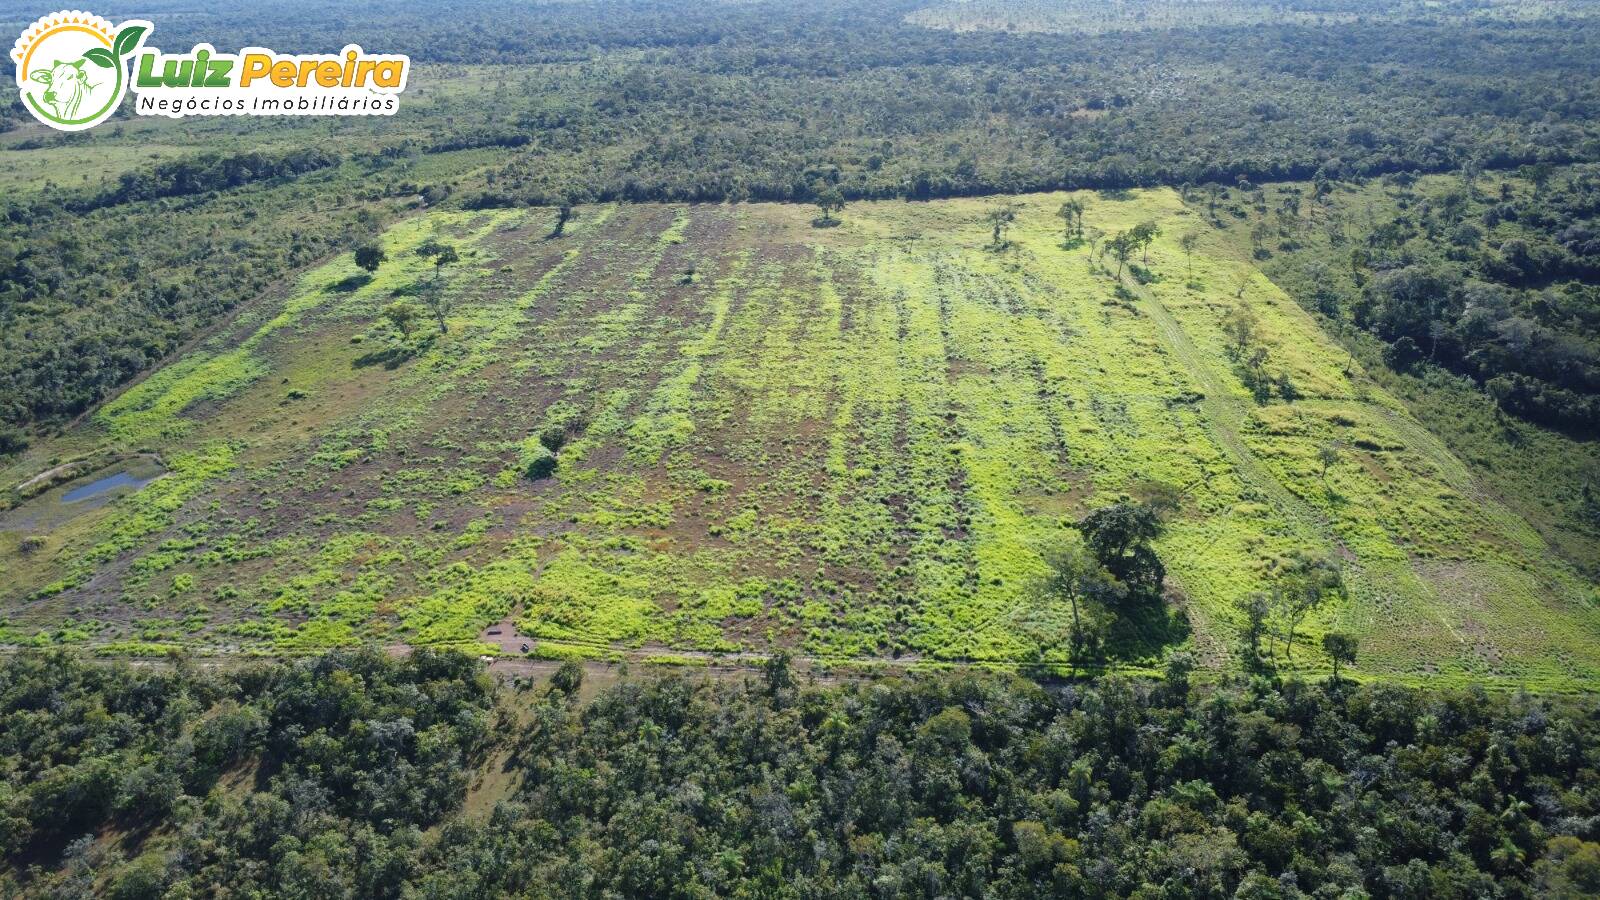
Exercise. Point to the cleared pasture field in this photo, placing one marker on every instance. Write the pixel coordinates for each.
(851, 441)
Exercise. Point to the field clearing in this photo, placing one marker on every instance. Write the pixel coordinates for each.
(851, 441)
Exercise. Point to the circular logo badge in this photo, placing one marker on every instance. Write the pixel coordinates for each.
(72, 67)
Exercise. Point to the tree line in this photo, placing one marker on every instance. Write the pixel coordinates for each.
(348, 775)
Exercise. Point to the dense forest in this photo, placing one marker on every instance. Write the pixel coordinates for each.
(671, 100)
(357, 775)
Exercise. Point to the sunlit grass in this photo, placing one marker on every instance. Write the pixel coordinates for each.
(856, 442)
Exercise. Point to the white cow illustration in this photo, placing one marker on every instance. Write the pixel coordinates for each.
(68, 85)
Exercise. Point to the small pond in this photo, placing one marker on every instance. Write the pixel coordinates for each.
(110, 482)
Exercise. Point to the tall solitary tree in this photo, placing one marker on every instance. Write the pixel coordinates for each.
(1144, 234)
(447, 255)
(1092, 236)
(1304, 584)
(439, 304)
(1341, 649)
(1122, 246)
(1071, 213)
(1188, 242)
(564, 214)
(1001, 217)
(1240, 324)
(829, 200)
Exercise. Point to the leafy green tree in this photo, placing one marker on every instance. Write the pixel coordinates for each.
(1569, 870)
(439, 304)
(402, 315)
(1119, 537)
(1071, 214)
(1327, 456)
(1255, 375)
(1241, 325)
(1188, 242)
(1303, 585)
(1341, 649)
(1122, 246)
(370, 257)
(829, 200)
(1143, 235)
(1256, 608)
(143, 879)
(1091, 236)
(1076, 576)
(1001, 218)
(564, 214)
(569, 678)
(446, 256)
(778, 671)
(1259, 236)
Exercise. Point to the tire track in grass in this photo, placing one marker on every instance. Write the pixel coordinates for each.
(1225, 416)
(1378, 587)
(1437, 547)
(865, 510)
(943, 571)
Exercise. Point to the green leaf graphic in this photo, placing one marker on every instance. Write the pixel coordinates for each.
(127, 39)
(100, 56)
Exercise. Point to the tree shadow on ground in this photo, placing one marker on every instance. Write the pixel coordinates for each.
(391, 357)
(352, 284)
(1145, 632)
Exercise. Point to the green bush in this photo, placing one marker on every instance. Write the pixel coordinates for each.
(553, 438)
(539, 465)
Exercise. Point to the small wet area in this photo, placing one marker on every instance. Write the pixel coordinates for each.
(107, 483)
(72, 496)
